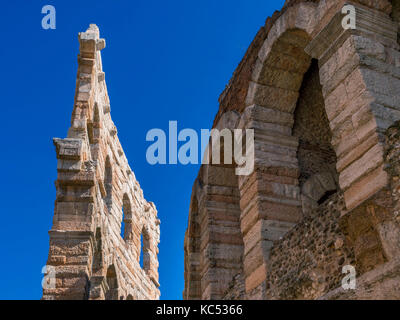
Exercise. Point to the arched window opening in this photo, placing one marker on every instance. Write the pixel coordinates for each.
(97, 263)
(108, 183)
(122, 232)
(129, 297)
(112, 284)
(93, 125)
(90, 131)
(96, 113)
(311, 126)
(144, 256)
(126, 223)
(141, 251)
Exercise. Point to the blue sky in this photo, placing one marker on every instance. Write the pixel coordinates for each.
(164, 61)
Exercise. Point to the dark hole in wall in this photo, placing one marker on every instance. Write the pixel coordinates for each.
(326, 196)
(315, 153)
(396, 15)
(122, 231)
(108, 180)
(112, 284)
(141, 251)
(396, 10)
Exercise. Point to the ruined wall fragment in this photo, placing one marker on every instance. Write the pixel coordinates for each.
(91, 256)
(289, 193)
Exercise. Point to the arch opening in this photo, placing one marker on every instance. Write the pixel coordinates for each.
(144, 256)
(108, 181)
(126, 222)
(97, 262)
(318, 178)
(112, 284)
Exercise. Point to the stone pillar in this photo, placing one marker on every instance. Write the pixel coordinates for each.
(270, 197)
(221, 244)
(192, 276)
(150, 261)
(71, 237)
(359, 73)
(213, 241)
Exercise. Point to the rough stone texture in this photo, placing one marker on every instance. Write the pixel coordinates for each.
(321, 133)
(216, 252)
(97, 191)
(308, 261)
(236, 289)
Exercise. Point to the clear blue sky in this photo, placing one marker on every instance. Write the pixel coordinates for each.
(164, 61)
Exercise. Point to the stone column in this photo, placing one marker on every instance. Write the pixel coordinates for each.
(192, 276)
(221, 245)
(71, 236)
(150, 261)
(270, 197)
(359, 73)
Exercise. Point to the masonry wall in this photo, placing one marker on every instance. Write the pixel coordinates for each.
(90, 257)
(308, 261)
(320, 99)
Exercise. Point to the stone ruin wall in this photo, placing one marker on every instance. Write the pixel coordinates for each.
(324, 198)
(97, 191)
(307, 261)
(323, 102)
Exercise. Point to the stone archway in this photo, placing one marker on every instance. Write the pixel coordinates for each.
(213, 242)
(355, 116)
(358, 87)
(271, 197)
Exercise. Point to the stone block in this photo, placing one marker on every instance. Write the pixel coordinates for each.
(365, 187)
(256, 278)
